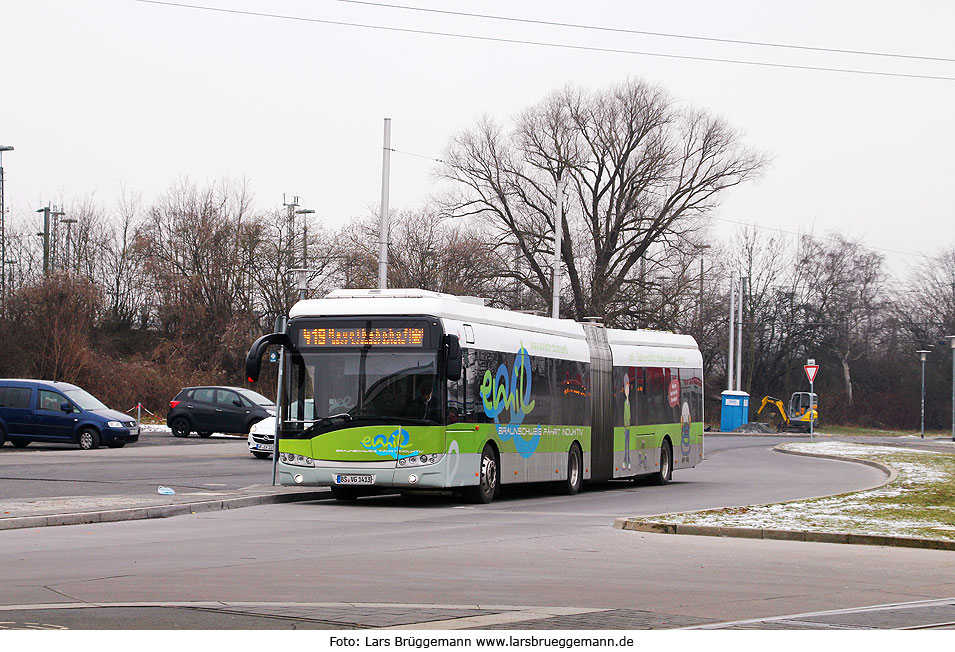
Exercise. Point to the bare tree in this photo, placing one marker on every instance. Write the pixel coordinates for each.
(425, 252)
(640, 171)
(195, 244)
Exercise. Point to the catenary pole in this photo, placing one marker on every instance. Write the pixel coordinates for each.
(558, 232)
(383, 231)
(3, 230)
(951, 341)
(730, 358)
(739, 333)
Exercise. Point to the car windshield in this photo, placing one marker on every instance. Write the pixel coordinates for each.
(376, 385)
(256, 398)
(84, 399)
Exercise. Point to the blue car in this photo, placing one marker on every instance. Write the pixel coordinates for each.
(45, 410)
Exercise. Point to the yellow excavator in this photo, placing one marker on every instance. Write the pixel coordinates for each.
(803, 407)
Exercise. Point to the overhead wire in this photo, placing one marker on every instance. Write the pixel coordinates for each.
(599, 49)
(798, 234)
(637, 32)
(824, 238)
(565, 46)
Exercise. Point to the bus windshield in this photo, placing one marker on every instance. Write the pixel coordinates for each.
(370, 385)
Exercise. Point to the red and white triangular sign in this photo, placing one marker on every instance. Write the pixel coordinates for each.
(811, 370)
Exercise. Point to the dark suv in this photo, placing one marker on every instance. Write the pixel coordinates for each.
(206, 410)
(45, 410)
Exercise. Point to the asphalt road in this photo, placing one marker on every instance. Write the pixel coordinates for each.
(530, 560)
(56, 470)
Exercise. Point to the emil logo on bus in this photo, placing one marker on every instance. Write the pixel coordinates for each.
(512, 390)
(390, 446)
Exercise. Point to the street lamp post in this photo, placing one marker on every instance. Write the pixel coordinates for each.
(7, 271)
(701, 249)
(3, 228)
(303, 280)
(951, 341)
(306, 212)
(69, 222)
(47, 214)
(922, 355)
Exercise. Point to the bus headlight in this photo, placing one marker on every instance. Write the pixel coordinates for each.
(420, 460)
(296, 460)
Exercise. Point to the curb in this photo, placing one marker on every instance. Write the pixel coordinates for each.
(656, 527)
(888, 470)
(781, 535)
(158, 511)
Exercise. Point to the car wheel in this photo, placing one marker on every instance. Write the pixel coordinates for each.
(205, 434)
(3, 436)
(575, 466)
(20, 443)
(262, 455)
(116, 444)
(665, 474)
(180, 427)
(484, 492)
(88, 439)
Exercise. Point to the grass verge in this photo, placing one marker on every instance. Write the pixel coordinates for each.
(920, 502)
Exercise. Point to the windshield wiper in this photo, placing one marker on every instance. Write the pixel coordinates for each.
(344, 417)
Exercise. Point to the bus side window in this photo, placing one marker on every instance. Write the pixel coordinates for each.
(457, 393)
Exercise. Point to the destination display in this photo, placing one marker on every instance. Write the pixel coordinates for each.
(360, 336)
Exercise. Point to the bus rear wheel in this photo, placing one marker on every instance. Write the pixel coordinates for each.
(571, 485)
(665, 474)
(488, 480)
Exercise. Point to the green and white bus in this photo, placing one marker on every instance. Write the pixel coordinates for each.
(416, 390)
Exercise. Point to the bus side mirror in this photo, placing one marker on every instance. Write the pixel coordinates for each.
(253, 360)
(452, 357)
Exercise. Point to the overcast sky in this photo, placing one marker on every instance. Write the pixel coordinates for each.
(95, 94)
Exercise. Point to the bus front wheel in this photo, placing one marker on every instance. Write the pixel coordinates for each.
(488, 479)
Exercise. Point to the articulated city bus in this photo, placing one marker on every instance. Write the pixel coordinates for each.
(398, 390)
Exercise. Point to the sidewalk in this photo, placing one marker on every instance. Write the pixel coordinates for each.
(80, 510)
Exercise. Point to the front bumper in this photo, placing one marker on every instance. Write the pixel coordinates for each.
(429, 476)
(261, 443)
(125, 435)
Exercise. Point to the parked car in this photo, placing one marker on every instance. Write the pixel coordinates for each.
(206, 410)
(50, 411)
(262, 433)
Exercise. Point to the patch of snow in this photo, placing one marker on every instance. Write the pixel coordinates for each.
(880, 511)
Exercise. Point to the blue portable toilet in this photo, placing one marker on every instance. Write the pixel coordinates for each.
(735, 410)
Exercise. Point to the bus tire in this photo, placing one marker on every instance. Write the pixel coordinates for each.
(488, 479)
(665, 474)
(575, 464)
